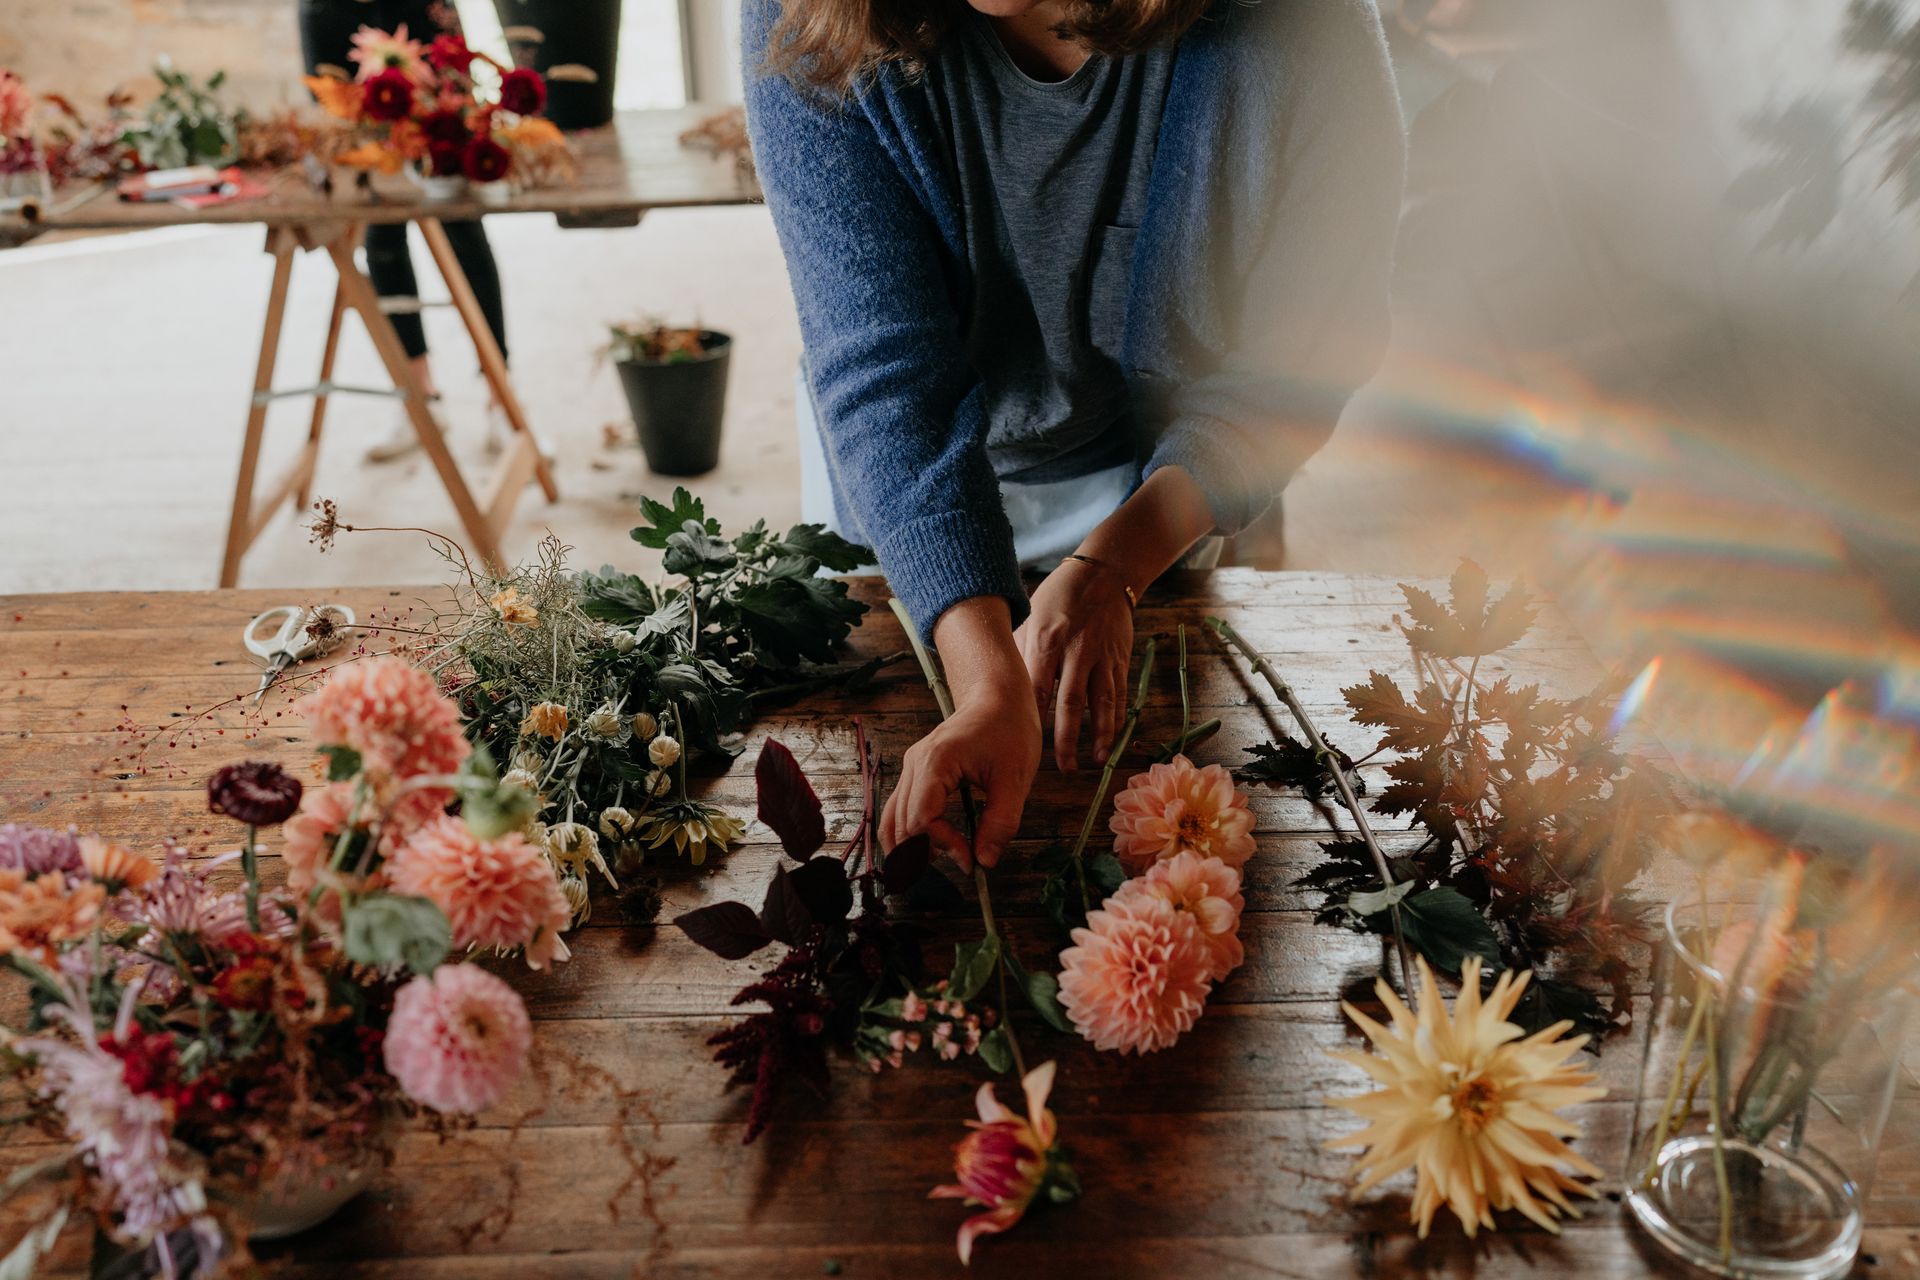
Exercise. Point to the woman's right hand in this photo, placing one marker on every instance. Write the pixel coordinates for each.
(991, 742)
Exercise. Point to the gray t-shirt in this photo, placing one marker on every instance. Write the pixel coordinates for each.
(1052, 180)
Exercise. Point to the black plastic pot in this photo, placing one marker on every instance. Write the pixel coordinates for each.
(569, 34)
(677, 406)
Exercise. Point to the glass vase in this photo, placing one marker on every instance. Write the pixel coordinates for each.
(1772, 1059)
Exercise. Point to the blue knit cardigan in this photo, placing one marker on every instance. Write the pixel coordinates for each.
(1257, 301)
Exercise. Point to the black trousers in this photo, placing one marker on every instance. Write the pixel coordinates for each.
(326, 37)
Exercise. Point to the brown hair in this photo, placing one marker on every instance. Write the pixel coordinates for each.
(833, 43)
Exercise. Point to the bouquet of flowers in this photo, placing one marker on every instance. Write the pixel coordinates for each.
(415, 104)
(197, 1052)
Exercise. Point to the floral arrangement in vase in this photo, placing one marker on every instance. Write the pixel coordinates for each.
(419, 106)
(213, 1062)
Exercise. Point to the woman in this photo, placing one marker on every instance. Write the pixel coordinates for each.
(1081, 284)
(327, 28)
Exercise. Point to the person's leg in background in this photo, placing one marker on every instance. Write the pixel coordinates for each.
(475, 256)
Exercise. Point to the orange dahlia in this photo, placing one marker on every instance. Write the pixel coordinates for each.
(38, 914)
(1176, 806)
(1135, 979)
(1206, 889)
(496, 893)
(392, 714)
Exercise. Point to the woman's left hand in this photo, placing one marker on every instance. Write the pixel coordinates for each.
(1079, 640)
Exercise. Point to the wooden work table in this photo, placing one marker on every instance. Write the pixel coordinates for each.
(621, 1154)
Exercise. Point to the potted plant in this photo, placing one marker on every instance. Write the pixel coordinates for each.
(676, 385)
(575, 44)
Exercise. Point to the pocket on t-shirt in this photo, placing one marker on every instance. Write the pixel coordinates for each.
(1108, 285)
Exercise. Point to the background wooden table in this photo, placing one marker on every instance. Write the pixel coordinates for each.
(621, 1155)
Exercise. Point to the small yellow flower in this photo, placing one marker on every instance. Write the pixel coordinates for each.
(1470, 1105)
(512, 609)
(545, 720)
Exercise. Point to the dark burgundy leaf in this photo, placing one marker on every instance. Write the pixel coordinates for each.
(784, 915)
(907, 863)
(822, 886)
(788, 804)
(728, 929)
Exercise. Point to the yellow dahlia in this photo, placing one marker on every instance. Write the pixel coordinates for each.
(1469, 1105)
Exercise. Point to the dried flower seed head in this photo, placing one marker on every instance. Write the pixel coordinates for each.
(617, 823)
(527, 760)
(622, 641)
(664, 751)
(579, 902)
(608, 724)
(520, 778)
(325, 524)
(645, 726)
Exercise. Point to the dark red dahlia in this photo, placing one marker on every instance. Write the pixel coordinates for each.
(523, 92)
(388, 96)
(486, 160)
(254, 792)
(450, 53)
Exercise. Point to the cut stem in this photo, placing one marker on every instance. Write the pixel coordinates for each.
(1120, 745)
(944, 698)
(1341, 782)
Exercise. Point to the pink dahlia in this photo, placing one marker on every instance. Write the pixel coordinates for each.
(1175, 806)
(393, 714)
(1135, 978)
(496, 893)
(1007, 1160)
(458, 1040)
(1206, 889)
(308, 837)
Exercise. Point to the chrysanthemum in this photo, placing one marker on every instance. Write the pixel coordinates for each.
(36, 850)
(693, 828)
(38, 914)
(1007, 1160)
(391, 713)
(1469, 1105)
(458, 1040)
(376, 51)
(1135, 979)
(1206, 889)
(1175, 806)
(495, 893)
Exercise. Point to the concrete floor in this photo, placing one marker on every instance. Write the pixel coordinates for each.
(132, 358)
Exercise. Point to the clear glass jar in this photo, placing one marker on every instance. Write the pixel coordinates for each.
(1772, 1059)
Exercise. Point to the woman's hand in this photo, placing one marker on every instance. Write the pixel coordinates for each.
(991, 742)
(1079, 641)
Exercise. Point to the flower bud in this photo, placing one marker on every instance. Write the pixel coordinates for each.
(658, 783)
(622, 641)
(616, 823)
(664, 751)
(645, 726)
(579, 904)
(607, 723)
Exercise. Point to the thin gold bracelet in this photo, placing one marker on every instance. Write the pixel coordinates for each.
(1133, 601)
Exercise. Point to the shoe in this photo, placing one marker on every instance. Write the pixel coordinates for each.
(401, 438)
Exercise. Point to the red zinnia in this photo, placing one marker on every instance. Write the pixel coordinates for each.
(246, 985)
(389, 95)
(486, 160)
(523, 92)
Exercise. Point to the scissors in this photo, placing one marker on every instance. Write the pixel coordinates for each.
(297, 639)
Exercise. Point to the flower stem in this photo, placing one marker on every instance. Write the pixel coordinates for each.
(250, 863)
(1331, 761)
(944, 698)
(1120, 744)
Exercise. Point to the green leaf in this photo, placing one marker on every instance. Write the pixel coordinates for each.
(611, 596)
(663, 521)
(387, 930)
(1369, 904)
(1043, 993)
(1105, 875)
(795, 619)
(1446, 928)
(997, 1051)
(827, 549)
(343, 763)
(973, 964)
